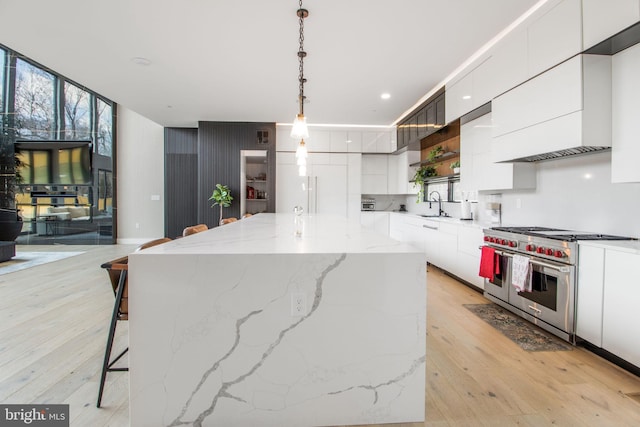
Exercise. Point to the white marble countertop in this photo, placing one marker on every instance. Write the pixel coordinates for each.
(269, 233)
(631, 246)
(447, 219)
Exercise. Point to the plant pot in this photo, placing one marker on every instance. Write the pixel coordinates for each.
(456, 170)
(10, 230)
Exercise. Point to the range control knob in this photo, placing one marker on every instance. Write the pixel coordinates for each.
(558, 254)
(548, 251)
(486, 238)
(513, 244)
(503, 242)
(540, 250)
(530, 248)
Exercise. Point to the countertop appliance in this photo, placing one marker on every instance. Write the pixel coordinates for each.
(368, 205)
(552, 257)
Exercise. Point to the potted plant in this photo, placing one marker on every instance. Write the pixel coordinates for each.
(420, 177)
(10, 220)
(435, 153)
(455, 166)
(221, 196)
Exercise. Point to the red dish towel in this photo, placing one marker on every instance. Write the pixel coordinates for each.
(487, 262)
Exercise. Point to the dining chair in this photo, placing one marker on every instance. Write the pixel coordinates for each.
(117, 270)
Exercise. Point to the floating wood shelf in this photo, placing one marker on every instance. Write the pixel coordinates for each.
(442, 157)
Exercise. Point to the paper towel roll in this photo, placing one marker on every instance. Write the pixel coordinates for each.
(465, 210)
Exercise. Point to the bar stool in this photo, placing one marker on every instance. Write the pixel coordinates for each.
(117, 270)
(228, 221)
(194, 229)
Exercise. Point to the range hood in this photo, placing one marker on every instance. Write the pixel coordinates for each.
(565, 111)
(560, 153)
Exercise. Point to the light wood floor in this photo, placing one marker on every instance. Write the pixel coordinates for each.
(53, 327)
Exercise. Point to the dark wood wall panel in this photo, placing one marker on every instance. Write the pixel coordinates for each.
(181, 180)
(219, 146)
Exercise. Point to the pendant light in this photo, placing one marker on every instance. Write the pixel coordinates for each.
(299, 129)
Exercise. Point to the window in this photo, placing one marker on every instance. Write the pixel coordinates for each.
(105, 191)
(103, 128)
(35, 106)
(3, 56)
(77, 113)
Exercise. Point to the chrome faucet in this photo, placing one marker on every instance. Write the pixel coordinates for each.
(439, 200)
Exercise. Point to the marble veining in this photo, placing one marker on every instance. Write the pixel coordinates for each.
(223, 391)
(213, 340)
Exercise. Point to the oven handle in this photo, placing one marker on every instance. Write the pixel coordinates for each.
(560, 268)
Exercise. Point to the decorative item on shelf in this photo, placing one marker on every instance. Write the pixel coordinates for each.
(455, 166)
(419, 178)
(300, 130)
(221, 196)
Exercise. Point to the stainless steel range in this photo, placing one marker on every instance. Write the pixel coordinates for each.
(549, 299)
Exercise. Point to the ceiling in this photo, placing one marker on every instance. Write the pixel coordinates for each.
(237, 60)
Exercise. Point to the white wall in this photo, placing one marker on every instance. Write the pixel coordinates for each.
(140, 178)
(576, 193)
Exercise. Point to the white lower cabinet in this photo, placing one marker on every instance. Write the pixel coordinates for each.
(469, 241)
(608, 294)
(379, 221)
(590, 294)
(621, 316)
(451, 246)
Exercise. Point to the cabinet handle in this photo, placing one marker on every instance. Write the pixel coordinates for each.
(429, 227)
(535, 309)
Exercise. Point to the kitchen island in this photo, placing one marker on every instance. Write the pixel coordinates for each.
(255, 324)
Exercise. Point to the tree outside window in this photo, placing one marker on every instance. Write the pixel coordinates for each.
(35, 102)
(104, 128)
(77, 113)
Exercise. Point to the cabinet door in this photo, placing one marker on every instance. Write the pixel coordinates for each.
(441, 118)
(422, 123)
(328, 189)
(601, 20)
(621, 316)
(590, 294)
(556, 93)
(400, 136)
(458, 98)
(555, 36)
(374, 174)
(625, 149)
(469, 241)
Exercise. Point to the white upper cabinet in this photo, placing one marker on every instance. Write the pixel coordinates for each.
(374, 174)
(602, 19)
(458, 98)
(507, 67)
(555, 36)
(625, 148)
(339, 140)
(477, 169)
(566, 107)
(378, 141)
(400, 172)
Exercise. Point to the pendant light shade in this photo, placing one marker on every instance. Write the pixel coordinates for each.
(299, 129)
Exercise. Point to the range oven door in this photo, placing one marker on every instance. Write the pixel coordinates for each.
(499, 286)
(552, 294)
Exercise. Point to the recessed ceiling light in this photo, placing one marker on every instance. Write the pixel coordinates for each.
(466, 97)
(138, 60)
(385, 95)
